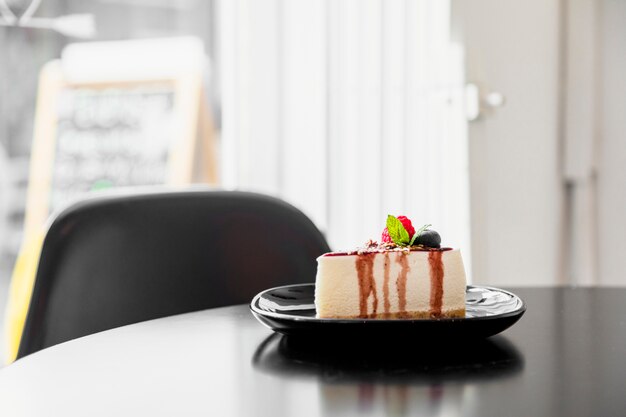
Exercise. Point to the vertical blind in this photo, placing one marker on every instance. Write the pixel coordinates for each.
(348, 109)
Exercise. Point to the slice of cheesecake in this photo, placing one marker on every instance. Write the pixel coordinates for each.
(391, 284)
(401, 278)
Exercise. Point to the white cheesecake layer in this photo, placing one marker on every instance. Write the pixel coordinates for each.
(338, 294)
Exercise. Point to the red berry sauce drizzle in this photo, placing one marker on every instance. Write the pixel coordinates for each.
(364, 265)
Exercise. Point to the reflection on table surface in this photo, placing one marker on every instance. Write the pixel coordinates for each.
(402, 361)
(391, 376)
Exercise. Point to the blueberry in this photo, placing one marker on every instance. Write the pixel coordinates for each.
(429, 238)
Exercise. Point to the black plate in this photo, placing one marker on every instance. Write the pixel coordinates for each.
(290, 310)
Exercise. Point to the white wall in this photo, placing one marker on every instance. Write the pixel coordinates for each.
(612, 153)
(548, 169)
(512, 47)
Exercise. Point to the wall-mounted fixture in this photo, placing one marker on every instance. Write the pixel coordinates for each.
(72, 25)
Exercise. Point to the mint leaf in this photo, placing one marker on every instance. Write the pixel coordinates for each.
(396, 231)
(418, 232)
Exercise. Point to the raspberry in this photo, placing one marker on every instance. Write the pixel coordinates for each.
(407, 225)
(385, 237)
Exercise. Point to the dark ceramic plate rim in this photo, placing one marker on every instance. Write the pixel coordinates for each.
(285, 316)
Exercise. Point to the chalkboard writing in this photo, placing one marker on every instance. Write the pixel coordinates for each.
(95, 133)
(110, 138)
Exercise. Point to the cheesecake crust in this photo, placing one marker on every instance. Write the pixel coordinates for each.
(406, 315)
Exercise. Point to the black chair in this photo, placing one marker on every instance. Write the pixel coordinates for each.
(111, 261)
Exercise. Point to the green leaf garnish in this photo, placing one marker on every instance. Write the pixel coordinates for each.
(397, 232)
(418, 232)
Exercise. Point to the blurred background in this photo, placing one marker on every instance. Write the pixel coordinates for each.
(500, 122)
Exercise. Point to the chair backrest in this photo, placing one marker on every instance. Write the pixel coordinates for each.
(117, 260)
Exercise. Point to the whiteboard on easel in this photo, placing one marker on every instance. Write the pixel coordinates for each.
(120, 122)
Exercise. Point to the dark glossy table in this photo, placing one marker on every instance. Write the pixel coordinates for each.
(565, 357)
